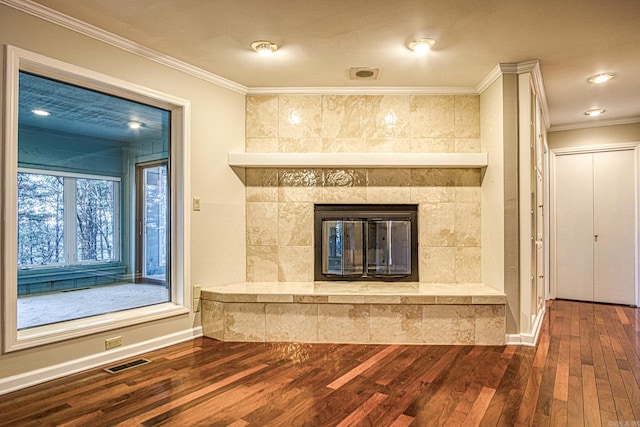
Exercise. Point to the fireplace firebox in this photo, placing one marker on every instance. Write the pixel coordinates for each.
(366, 242)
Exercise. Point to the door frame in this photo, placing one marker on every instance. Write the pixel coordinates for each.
(556, 152)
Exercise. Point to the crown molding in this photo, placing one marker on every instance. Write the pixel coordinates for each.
(494, 74)
(50, 15)
(533, 67)
(527, 66)
(340, 90)
(508, 68)
(595, 124)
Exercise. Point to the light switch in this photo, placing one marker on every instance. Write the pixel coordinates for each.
(196, 203)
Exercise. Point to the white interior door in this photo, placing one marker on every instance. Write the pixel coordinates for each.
(574, 226)
(614, 225)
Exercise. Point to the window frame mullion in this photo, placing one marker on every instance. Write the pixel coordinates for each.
(70, 222)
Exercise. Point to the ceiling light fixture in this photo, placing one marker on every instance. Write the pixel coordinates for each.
(594, 112)
(601, 78)
(422, 46)
(43, 113)
(135, 125)
(264, 47)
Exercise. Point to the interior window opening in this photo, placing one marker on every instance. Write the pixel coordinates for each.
(93, 203)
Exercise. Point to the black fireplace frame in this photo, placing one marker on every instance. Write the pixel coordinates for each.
(365, 212)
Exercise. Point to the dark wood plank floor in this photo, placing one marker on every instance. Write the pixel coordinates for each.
(584, 371)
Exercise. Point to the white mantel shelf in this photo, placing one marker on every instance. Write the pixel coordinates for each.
(358, 160)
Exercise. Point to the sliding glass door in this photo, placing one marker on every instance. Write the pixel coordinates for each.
(152, 214)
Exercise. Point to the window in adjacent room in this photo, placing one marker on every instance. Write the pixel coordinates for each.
(66, 220)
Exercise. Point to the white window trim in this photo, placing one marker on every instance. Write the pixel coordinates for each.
(70, 219)
(17, 59)
(69, 174)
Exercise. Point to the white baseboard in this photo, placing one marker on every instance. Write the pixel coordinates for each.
(530, 339)
(49, 373)
(527, 340)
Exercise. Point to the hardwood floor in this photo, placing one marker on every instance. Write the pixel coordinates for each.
(584, 371)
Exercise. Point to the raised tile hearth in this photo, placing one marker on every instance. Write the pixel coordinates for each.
(354, 312)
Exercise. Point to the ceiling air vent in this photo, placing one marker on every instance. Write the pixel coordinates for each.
(364, 73)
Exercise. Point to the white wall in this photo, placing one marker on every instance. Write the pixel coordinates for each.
(217, 231)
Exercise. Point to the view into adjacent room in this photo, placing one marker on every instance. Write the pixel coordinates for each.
(93, 203)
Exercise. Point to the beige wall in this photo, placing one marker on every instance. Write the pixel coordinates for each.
(217, 117)
(594, 136)
(280, 202)
(499, 109)
(491, 123)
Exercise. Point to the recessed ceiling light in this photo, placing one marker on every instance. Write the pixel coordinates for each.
(42, 113)
(601, 78)
(422, 46)
(135, 125)
(594, 112)
(264, 47)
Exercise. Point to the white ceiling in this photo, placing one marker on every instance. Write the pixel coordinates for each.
(320, 40)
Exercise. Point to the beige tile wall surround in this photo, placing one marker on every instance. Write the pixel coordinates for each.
(280, 201)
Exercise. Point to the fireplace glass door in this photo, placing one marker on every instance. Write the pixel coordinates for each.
(366, 242)
(389, 247)
(343, 250)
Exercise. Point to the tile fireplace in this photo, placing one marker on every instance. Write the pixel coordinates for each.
(282, 300)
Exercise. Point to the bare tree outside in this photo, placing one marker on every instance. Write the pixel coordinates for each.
(40, 219)
(94, 213)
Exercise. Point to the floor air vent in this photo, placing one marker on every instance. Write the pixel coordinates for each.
(127, 365)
